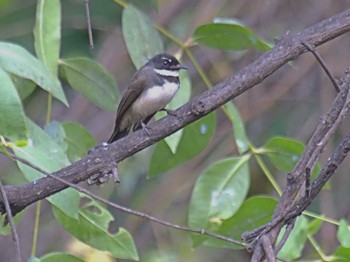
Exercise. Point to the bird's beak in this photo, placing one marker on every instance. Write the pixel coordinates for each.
(179, 66)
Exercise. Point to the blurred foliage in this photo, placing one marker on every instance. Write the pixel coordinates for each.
(209, 175)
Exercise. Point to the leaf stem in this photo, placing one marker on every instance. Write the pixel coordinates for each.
(36, 229)
(321, 217)
(49, 108)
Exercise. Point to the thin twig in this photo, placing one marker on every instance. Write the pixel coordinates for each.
(323, 64)
(267, 246)
(12, 223)
(128, 210)
(285, 236)
(307, 181)
(88, 20)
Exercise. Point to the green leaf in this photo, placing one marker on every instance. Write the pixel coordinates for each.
(46, 154)
(229, 35)
(92, 229)
(73, 138)
(18, 61)
(295, 244)
(195, 138)
(182, 97)
(91, 80)
(314, 226)
(33, 259)
(342, 254)
(343, 233)
(253, 213)
(241, 138)
(12, 117)
(24, 86)
(47, 33)
(59, 257)
(284, 153)
(219, 192)
(78, 140)
(141, 38)
(6, 230)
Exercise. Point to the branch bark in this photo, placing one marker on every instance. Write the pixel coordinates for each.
(104, 159)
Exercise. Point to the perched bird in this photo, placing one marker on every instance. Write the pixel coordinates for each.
(150, 90)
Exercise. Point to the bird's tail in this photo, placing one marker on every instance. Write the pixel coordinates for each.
(117, 135)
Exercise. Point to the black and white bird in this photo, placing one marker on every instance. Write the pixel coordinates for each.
(150, 90)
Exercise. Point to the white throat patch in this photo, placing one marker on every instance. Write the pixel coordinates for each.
(164, 72)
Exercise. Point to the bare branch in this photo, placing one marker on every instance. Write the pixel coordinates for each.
(125, 209)
(103, 160)
(323, 65)
(12, 223)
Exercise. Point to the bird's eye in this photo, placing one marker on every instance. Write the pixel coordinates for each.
(166, 62)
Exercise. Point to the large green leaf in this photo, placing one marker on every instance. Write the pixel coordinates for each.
(24, 87)
(342, 254)
(343, 233)
(241, 138)
(254, 212)
(141, 38)
(195, 138)
(73, 138)
(18, 61)
(92, 81)
(92, 229)
(218, 193)
(283, 152)
(59, 257)
(47, 33)
(78, 139)
(43, 152)
(295, 243)
(12, 117)
(228, 34)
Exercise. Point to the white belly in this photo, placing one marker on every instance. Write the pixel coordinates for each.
(151, 101)
(154, 99)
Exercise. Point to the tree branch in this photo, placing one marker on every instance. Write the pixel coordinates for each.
(104, 159)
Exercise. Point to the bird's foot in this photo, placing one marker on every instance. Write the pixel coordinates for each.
(100, 179)
(145, 128)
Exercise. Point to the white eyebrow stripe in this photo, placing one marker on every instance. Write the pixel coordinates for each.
(164, 72)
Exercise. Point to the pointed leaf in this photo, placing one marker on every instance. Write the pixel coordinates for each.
(343, 233)
(46, 154)
(295, 244)
(284, 153)
(78, 140)
(141, 38)
(240, 135)
(219, 192)
(18, 61)
(12, 117)
(24, 86)
(228, 35)
(195, 138)
(253, 213)
(92, 81)
(47, 33)
(342, 254)
(59, 257)
(92, 229)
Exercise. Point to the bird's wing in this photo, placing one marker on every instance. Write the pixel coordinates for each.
(130, 95)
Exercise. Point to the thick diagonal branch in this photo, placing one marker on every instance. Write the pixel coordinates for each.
(104, 159)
